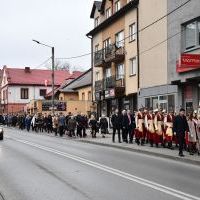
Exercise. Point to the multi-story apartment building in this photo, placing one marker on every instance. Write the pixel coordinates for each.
(114, 49)
(184, 52)
(155, 90)
(156, 68)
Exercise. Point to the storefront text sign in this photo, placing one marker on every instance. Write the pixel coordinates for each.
(188, 62)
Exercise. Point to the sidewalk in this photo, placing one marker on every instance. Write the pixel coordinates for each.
(160, 152)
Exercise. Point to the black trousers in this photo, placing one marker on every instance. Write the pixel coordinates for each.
(130, 134)
(61, 130)
(119, 134)
(181, 141)
(125, 134)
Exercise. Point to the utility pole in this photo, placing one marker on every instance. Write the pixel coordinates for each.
(53, 69)
(53, 78)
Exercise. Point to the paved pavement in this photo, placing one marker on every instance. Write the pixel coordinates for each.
(36, 167)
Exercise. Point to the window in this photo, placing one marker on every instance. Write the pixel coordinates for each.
(120, 71)
(96, 48)
(119, 39)
(108, 72)
(108, 13)
(192, 35)
(24, 93)
(83, 96)
(97, 78)
(166, 102)
(132, 32)
(96, 22)
(107, 45)
(117, 5)
(89, 96)
(43, 92)
(133, 66)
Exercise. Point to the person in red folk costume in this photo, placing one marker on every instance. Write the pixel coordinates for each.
(159, 127)
(191, 136)
(145, 136)
(139, 132)
(168, 123)
(149, 124)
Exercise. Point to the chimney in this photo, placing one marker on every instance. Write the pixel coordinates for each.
(27, 70)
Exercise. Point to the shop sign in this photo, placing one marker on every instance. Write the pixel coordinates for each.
(58, 106)
(109, 93)
(188, 62)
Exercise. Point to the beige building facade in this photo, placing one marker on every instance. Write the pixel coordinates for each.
(155, 90)
(114, 46)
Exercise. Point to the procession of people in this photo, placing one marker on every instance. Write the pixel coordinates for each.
(155, 128)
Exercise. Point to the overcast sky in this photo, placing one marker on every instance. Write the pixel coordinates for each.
(62, 23)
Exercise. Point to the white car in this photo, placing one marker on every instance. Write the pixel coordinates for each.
(1, 133)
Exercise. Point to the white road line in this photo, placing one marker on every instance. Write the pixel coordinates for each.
(130, 177)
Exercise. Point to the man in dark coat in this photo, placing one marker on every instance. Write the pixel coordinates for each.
(125, 126)
(131, 126)
(116, 123)
(180, 126)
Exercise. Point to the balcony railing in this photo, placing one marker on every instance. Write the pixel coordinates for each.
(114, 53)
(111, 53)
(112, 82)
(98, 58)
(98, 85)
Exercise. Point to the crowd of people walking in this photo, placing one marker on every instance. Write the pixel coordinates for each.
(145, 127)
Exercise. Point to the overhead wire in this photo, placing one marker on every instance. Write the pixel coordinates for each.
(137, 32)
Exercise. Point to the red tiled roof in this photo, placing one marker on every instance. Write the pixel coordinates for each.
(38, 77)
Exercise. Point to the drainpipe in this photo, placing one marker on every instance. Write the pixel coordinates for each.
(92, 90)
(138, 54)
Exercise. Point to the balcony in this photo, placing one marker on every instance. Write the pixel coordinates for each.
(98, 58)
(114, 54)
(114, 82)
(98, 85)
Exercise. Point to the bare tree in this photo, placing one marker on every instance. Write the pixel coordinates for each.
(59, 65)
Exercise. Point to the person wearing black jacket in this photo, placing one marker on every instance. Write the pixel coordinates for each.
(125, 126)
(131, 126)
(116, 123)
(180, 126)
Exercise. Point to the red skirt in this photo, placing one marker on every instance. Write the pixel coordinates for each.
(158, 138)
(138, 134)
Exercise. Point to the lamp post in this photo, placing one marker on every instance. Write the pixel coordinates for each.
(53, 66)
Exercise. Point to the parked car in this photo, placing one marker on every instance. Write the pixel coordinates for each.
(1, 133)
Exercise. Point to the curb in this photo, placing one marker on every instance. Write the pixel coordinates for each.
(185, 160)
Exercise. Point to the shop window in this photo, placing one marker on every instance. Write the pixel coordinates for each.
(148, 103)
(171, 103)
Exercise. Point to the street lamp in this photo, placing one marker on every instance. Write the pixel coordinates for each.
(53, 66)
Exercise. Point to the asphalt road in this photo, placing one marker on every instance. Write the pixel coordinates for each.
(38, 167)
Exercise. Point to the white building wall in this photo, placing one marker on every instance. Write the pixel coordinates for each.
(14, 93)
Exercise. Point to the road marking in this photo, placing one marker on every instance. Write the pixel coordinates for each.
(130, 177)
